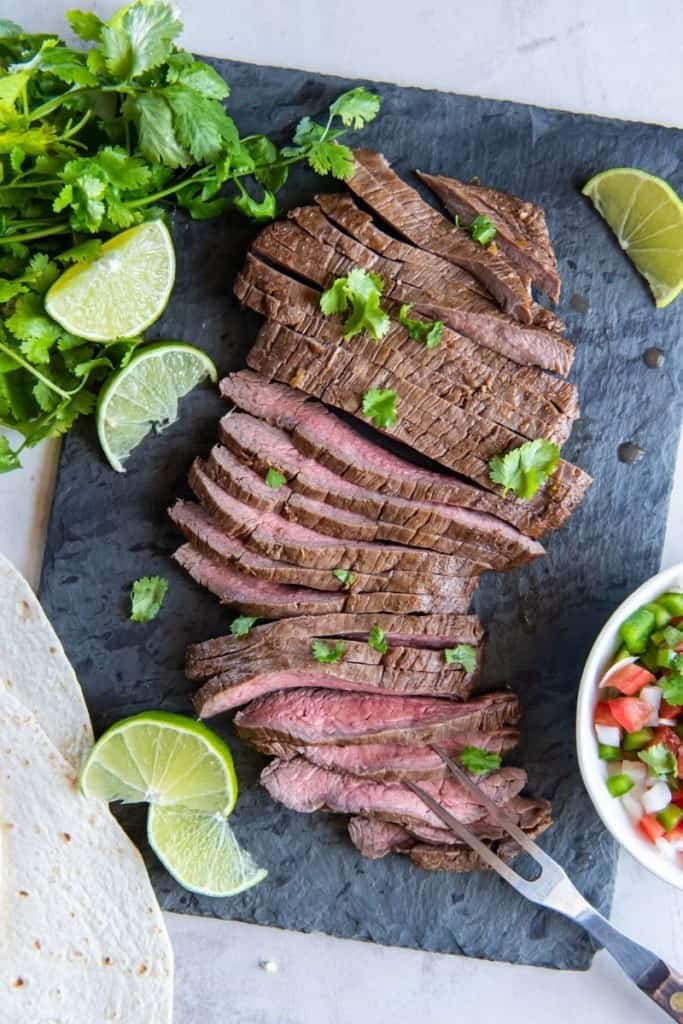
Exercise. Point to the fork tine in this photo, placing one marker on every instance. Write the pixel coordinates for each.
(498, 815)
(522, 885)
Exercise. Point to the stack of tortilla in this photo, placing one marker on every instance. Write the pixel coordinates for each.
(82, 938)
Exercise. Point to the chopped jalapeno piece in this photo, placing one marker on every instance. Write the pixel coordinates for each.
(662, 616)
(670, 817)
(638, 740)
(636, 631)
(606, 753)
(664, 657)
(619, 785)
(673, 603)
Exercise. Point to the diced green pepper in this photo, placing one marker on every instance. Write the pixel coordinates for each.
(670, 817)
(618, 785)
(638, 740)
(649, 659)
(606, 753)
(661, 614)
(664, 657)
(667, 637)
(673, 603)
(622, 653)
(636, 630)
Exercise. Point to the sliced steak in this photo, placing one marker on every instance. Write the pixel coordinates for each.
(319, 716)
(521, 229)
(431, 273)
(406, 211)
(394, 762)
(305, 787)
(320, 434)
(459, 440)
(481, 536)
(500, 394)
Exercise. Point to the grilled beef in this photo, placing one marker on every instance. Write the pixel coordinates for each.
(406, 211)
(320, 716)
(473, 379)
(318, 433)
(305, 787)
(394, 762)
(521, 229)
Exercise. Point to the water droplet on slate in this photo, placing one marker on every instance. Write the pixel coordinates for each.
(653, 358)
(629, 452)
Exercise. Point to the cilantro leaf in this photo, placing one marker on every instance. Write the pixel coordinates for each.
(146, 598)
(156, 133)
(672, 688)
(464, 655)
(356, 107)
(266, 209)
(345, 576)
(358, 293)
(241, 626)
(479, 762)
(9, 459)
(275, 479)
(196, 75)
(327, 654)
(428, 331)
(202, 126)
(139, 38)
(482, 230)
(525, 469)
(67, 65)
(85, 25)
(379, 406)
(85, 252)
(33, 327)
(659, 759)
(377, 639)
(264, 154)
(331, 158)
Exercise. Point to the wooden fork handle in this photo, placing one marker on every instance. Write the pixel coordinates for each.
(667, 992)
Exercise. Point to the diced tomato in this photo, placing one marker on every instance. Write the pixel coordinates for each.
(677, 620)
(630, 679)
(675, 834)
(665, 734)
(680, 763)
(650, 827)
(602, 714)
(631, 713)
(667, 710)
(677, 797)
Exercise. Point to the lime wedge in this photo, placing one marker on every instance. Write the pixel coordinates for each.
(646, 215)
(145, 393)
(122, 291)
(200, 851)
(164, 759)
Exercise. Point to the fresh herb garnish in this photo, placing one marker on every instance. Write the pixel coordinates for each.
(672, 689)
(428, 331)
(377, 639)
(327, 654)
(379, 406)
(659, 758)
(275, 479)
(345, 576)
(479, 762)
(95, 139)
(525, 469)
(146, 598)
(242, 625)
(463, 654)
(359, 295)
(482, 230)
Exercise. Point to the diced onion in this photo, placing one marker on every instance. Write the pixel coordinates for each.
(615, 668)
(657, 798)
(671, 722)
(635, 770)
(609, 735)
(632, 805)
(652, 695)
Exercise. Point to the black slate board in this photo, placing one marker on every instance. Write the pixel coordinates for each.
(106, 529)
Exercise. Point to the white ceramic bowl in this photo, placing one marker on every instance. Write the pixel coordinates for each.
(593, 770)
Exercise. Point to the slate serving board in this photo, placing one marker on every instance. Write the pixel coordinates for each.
(106, 530)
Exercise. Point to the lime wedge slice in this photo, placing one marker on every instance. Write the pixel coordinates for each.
(122, 291)
(145, 393)
(200, 851)
(646, 215)
(162, 758)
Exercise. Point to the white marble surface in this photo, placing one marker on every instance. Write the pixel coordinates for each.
(621, 58)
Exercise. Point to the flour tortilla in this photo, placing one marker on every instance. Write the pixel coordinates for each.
(82, 939)
(35, 669)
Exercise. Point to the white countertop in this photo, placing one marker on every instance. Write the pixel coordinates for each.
(619, 58)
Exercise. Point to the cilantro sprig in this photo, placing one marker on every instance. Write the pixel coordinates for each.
(659, 759)
(464, 655)
(95, 138)
(379, 406)
(427, 331)
(146, 598)
(477, 761)
(358, 294)
(525, 469)
(327, 654)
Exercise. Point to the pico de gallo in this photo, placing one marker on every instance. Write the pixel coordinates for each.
(639, 722)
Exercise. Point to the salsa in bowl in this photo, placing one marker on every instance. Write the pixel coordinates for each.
(630, 724)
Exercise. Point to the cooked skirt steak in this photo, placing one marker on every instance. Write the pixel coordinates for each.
(321, 716)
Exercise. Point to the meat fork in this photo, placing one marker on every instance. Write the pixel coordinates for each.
(553, 889)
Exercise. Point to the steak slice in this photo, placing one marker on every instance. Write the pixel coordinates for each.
(394, 762)
(521, 229)
(316, 250)
(405, 210)
(455, 370)
(461, 441)
(429, 633)
(319, 716)
(307, 788)
(317, 432)
(482, 537)
(433, 272)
